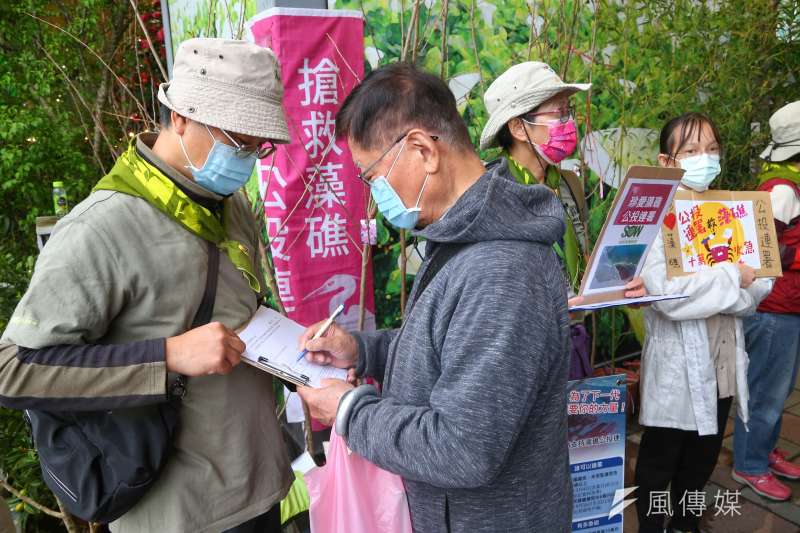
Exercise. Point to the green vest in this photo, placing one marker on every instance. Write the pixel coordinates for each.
(134, 176)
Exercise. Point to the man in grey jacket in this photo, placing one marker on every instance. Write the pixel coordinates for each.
(473, 410)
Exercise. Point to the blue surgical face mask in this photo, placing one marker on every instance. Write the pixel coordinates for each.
(389, 202)
(225, 170)
(701, 170)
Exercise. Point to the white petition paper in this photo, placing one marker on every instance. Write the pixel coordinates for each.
(274, 337)
(628, 301)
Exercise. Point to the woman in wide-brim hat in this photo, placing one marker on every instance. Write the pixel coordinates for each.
(532, 120)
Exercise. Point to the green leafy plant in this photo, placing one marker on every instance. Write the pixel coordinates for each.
(647, 60)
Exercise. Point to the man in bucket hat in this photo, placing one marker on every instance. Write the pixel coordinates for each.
(105, 322)
(772, 335)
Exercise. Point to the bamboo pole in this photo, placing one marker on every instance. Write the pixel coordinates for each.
(410, 45)
(475, 46)
(443, 71)
(366, 254)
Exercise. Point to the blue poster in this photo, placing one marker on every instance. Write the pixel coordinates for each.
(596, 419)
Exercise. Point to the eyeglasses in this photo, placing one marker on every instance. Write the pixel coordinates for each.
(242, 150)
(565, 114)
(361, 175)
(367, 170)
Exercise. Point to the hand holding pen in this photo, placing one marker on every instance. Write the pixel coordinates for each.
(333, 346)
(321, 330)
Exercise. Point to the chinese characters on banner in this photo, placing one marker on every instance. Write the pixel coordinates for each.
(596, 441)
(629, 231)
(314, 203)
(721, 226)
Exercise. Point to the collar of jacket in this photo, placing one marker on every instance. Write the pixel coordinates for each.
(134, 175)
(526, 177)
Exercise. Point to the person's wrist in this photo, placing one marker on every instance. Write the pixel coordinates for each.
(170, 353)
(169, 350)
(353, 350)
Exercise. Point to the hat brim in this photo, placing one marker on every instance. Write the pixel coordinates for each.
(779, 154)
(528, 102)
(253, 115)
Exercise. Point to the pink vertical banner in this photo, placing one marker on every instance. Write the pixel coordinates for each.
(314, 202)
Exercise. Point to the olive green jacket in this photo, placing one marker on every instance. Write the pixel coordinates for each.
(115, 271)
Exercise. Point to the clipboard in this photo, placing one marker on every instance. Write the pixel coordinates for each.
(286, 374)
(636, 237)
(271, 346)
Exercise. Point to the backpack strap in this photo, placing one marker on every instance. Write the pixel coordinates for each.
(177, 385)
(206, 309)
(575, 186)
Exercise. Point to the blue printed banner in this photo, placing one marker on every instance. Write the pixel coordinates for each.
(596, 418)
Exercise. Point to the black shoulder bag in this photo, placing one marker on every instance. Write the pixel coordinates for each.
(101, 463)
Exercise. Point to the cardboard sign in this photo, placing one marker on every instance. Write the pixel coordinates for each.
(630, 229)
(704, 229)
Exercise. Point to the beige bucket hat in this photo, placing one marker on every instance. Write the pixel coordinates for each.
(518, 90)
(232, 85)
(785, 127)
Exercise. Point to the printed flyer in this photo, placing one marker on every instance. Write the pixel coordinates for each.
(596, 440)
(631, 227)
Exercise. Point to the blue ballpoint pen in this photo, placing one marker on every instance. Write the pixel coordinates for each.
(322, 330)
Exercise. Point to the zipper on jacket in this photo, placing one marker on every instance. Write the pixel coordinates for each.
(447, 513)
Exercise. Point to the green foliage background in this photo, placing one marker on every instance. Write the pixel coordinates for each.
(648, 60)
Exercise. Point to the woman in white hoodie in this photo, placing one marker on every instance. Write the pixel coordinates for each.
(694, 361)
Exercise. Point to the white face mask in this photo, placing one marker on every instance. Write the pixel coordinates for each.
(701, 170)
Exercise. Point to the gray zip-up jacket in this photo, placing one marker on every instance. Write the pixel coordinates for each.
(473, 412)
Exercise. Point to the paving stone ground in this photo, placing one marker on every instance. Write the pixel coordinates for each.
(758, 515)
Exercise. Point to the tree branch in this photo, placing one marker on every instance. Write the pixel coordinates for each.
(25, 499)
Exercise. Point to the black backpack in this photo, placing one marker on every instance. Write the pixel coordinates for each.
(101, 463)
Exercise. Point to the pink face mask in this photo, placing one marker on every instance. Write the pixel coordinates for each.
(562, 142)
